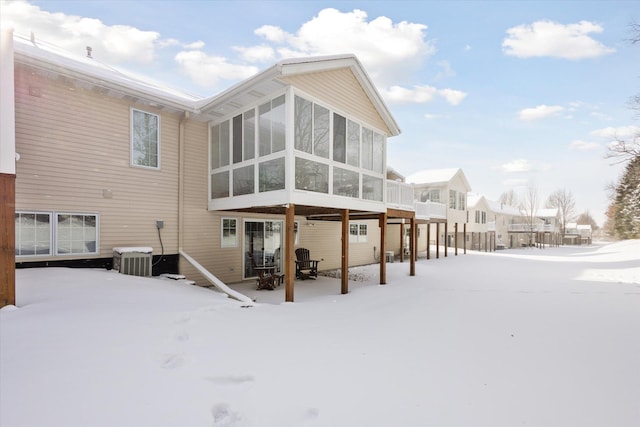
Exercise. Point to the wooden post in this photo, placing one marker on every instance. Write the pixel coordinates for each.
(464, 239)
(446, 238)
(437, 240)
(344, 265)
(289, 250)
(383, 253)
(402, 241)
(412, 248)
(486, 245)
(7, 239)
(456, 238)
(428, 240)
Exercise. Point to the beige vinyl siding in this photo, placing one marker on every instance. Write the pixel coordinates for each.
(74, 144)
(341, 90)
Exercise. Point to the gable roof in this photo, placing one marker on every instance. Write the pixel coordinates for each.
(274, 78)
(438, 176)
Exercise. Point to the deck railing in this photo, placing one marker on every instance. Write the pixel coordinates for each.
(400, 195)
(529, 228)
(430, 210)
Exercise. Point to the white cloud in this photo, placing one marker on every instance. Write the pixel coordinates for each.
(579, 145)
(547, 38)
(420, 95)
(386, 49)
(261, 53)
(447, 71)
(622, 132)
(111, 43)
(601, 116)
(539, 112)
(207, 71)
(517, 165)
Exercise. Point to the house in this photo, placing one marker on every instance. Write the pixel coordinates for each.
(447, 188)
(481, 227)
(294, 156)
(578, 234)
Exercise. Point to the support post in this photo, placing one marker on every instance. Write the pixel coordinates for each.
(446, 238)
(383, 253)
(344, 260)
(289, 250)
(464, 238)
(7, 240)
(455, 240)
(437, 240)
(402, 241)
(413, 248)
(429, 241)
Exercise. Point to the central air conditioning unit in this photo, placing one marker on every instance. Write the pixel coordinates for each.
(135, 261)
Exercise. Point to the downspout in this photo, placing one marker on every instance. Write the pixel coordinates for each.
(207, 274)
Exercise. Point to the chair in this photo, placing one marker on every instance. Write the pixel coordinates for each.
(266, 279)
(305, 266)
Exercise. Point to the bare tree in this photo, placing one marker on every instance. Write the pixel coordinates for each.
(585, 218)
(529, 209)
(565, 203)
(509, 198)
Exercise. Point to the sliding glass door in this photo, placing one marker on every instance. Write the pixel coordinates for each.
(262, 245)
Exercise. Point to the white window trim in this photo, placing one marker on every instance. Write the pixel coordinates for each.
(53, 234)
(131, 139)
(360, 238)
(235, 244)
(51, 242)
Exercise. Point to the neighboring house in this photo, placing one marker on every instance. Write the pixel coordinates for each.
(503, 218)
(294, 156)
(448, 187)
(481, 228)
(577, 234)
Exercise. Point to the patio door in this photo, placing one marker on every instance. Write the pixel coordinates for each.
(263, 240)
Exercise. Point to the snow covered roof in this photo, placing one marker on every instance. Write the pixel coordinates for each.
(437, 176)
(51, 58)
(271, 79)
(547, 213)
(501, 208)
(82, 68)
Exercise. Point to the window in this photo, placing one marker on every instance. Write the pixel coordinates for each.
(243, 182)
(481, 217)
(271, 126)
(220, 145)
(346, 183)
(67, 234)
(229, 229)
(339, 138)
(145, 139)
(312, 176)
(452, 199)
(462, 201)
(371, 188)
(431, 195)
(33, 233)
(357, 232)
(353, 143)
(271, 175)
(76, 234)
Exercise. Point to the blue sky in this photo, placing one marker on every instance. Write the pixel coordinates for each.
(517, 94)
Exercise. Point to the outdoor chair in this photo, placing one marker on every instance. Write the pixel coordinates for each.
(266, 278)
(305, 266)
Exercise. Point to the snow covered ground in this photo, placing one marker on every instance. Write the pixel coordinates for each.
(536, 337)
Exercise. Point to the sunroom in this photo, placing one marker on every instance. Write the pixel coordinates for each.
(305, 137)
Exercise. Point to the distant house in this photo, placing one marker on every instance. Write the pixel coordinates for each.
(448, 187)
(578, 234)
(481, 228)
(294, 156)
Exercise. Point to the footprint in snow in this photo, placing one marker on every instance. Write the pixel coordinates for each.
(172, 361)
(223, 416)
